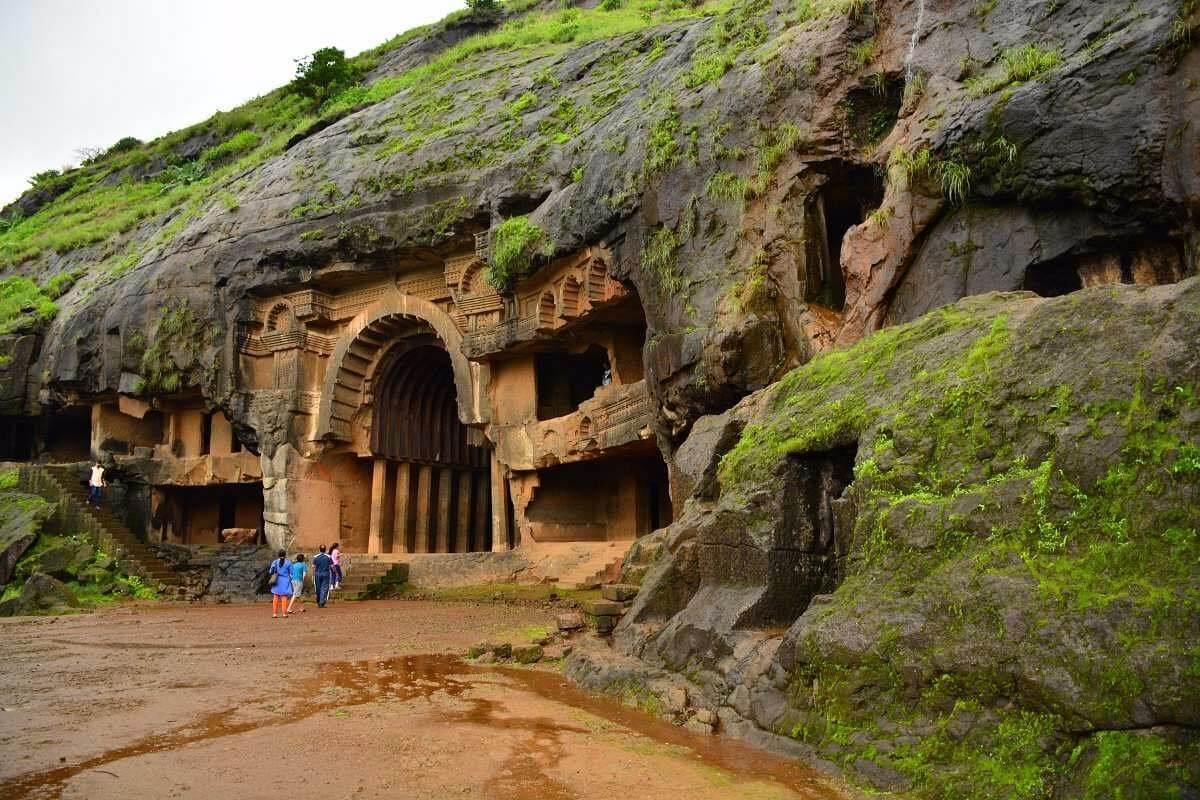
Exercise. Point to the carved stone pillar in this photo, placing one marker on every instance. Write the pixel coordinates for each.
(423, 517)
(499, 507)
(379, 478)
(462, 518)
(400, 528)
(445, 484)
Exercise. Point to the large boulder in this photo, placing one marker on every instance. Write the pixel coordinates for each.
(63, 558)
(1021, 468)
(21, 518)
(41, 594)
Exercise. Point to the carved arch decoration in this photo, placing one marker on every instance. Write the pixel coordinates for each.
(474, 280)
(571, 295)
(367, 338)
(281, 317)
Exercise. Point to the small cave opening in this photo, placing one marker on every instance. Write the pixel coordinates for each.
(1053, 278)
(872, 110)
(564, 380)
(850, 193)
(68, 434)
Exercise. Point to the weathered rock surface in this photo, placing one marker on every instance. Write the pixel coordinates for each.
(21, 518)
(1020, 466)
(623, 143)
(958, 559)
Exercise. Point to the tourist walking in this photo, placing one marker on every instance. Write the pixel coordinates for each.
(95, 484)
(322, 570)
(281, 584)
(335, 555)
(299, 570)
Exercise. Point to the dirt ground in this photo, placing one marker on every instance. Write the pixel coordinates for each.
(359, 700)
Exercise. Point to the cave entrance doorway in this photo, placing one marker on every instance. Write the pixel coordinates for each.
(68, 434)
(231, 512)
(849, 194)
(431, 477)
(617, 498)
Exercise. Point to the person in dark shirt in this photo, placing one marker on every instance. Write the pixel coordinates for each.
(322, 567)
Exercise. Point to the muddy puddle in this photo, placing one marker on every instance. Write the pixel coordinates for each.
(415, 678)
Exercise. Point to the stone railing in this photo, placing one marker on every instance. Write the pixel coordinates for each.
(496, 338)
(621, 420)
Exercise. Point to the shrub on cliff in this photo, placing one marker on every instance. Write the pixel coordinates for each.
(323, 74)
(515, 243)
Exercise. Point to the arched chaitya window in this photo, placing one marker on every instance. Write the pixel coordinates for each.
(281, 318)
(570, 297)
(546, 311)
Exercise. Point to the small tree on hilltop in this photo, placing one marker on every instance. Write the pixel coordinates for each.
(322, 74)
(483, 8)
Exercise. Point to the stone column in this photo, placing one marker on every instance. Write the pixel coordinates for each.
(424, 489)
(462, 518)
(400, 516)
(499, 507)
(445, 484)
(482, 521)
(378, 497)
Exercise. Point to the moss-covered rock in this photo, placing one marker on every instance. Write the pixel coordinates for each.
(1013, 573)
(21, 518)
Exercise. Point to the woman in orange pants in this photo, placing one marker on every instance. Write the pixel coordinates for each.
(281, 585)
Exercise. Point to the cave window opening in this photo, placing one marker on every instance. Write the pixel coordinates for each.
(849, 195)
(872, 110)
(564, 380)
(206, 434)
(1053, 278)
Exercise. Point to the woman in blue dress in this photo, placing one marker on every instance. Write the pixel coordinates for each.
(280, 574)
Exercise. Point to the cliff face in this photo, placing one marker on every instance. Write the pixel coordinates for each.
(774, 179)
(721, 153)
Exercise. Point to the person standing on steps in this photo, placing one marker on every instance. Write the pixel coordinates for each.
(335, 555)
(95, 483)
(281, 584)
(322, 569)
(299, 570)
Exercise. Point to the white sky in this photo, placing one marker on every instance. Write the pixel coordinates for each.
(84, 73)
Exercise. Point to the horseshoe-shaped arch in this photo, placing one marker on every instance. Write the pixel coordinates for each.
(356, 357)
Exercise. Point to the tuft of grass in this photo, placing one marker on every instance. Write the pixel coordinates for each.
(515, 244)
(773, 146)
(662, 146)
(1018, 64)
(954, 177)
(23, 304)
(860, 55)
(727, 187)
(659, 247)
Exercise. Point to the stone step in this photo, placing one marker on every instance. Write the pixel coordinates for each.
(60, 484)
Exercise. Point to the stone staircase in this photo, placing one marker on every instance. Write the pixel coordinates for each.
(601, 568)
(369, 577)
(63, 486)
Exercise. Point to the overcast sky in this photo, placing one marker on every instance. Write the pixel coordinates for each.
(84, 73)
